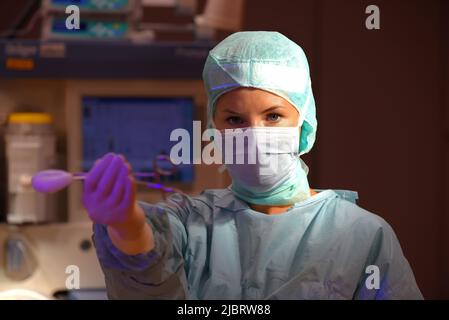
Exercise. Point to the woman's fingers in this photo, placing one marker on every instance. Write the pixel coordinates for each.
(96, 172)
(110, 189)
(128, 165)
(118, 191)
(109, 177)
(128, 197)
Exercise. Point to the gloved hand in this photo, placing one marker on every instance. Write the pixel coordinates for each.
(110, 191)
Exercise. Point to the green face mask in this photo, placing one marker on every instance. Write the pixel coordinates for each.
(266, 169)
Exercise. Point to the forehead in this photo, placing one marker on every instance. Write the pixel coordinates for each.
(251, 99)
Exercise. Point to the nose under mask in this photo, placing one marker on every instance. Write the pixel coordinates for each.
(264, 164)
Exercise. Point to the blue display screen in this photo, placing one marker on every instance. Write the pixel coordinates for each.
(92, 4)
(69, 2)
(138, 128)
(60, 26)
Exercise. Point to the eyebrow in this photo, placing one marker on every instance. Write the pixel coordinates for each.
(230, 111)
(272, 108)
(275, 107)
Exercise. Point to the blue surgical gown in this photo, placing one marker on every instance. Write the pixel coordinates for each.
(214, 246)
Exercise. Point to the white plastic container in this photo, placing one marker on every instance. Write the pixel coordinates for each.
(30, 147)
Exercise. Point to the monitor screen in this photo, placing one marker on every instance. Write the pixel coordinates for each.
(138, 128)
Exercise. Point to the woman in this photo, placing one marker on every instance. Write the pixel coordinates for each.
(268, 236)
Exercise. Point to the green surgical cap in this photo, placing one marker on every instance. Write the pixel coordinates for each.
(268, 61)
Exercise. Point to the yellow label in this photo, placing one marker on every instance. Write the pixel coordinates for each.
(30, 117)
(19, 64)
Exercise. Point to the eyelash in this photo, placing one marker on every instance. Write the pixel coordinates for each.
(233, 119)
(274, 114)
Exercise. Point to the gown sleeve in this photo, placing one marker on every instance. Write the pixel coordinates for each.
(387, 262)
(158, 274)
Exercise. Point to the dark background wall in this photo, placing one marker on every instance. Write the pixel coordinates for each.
(382, 100)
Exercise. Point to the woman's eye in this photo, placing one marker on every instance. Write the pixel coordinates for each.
(234, 120)
(273, 117)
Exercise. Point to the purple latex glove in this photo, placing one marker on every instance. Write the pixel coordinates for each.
(109, 190)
